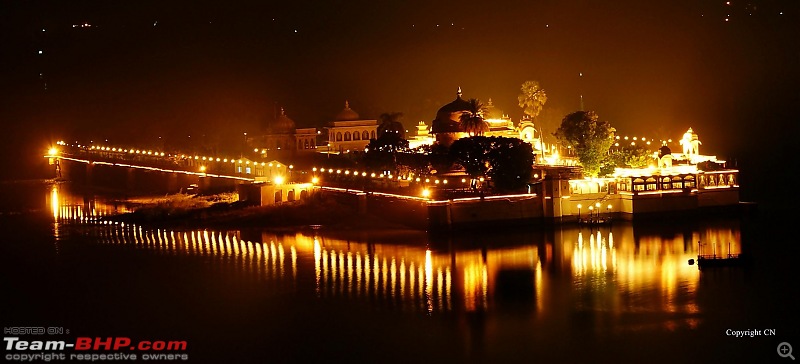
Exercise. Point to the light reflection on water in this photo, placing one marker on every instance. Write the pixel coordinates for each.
(615, 270)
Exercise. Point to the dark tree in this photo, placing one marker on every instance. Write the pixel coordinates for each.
(472, 121)
(511, 161)
(381, 152)
(472, 154)
(390, 123)
(507, 162)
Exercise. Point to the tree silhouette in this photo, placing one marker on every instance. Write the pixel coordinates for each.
(532, 98)
(472, 121)
(381, 152)
(507, 162)
(390, 123)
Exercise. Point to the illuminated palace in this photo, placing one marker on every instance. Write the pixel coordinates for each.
(348, 131)
(674, 182)
(446, 127)
(282, 138)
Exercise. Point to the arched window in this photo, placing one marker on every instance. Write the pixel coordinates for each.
(312, 143)
(372, 134)
(290, 196)
(665, 183)
(356, 135)
(689, 182)
(365, 135)
(347, 136)
(305, 144)
(338, 137)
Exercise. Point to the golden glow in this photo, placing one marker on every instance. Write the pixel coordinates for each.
(426, 193)
(314, 180)
(54, 201)
(638, 273)
(278, 180)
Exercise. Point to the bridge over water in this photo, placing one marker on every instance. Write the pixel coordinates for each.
(156, 171)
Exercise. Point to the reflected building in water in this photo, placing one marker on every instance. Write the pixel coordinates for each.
(621, 270)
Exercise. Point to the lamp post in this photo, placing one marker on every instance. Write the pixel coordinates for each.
(579, 212)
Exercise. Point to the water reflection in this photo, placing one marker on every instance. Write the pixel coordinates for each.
(628, 273)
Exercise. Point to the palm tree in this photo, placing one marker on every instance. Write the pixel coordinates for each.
(471, 119)
(532, 98)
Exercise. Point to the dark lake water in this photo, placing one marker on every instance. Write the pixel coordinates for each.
(621, 293)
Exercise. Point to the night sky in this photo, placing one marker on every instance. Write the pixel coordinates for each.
(134, 71)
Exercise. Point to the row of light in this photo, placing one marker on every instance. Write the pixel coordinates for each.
(131, 151)
(642, 139)
(632, 143)
(595, 205)
(53, 151)
(373, 175)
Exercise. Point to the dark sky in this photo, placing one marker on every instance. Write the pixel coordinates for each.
(216, 69)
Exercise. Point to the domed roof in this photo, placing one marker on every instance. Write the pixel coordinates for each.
(283, 124)
(458, 105)
(664, 150)
(347, 114)
(447, 118)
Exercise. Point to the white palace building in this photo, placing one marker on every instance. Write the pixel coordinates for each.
(675, 184)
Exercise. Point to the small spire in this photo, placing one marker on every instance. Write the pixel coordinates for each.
(283, 112)
(459, 92)
(346, 104)
(490, 102)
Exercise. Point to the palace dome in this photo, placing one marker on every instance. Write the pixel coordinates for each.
(448, 117)
(347, 114)
(457, 105)
(283, 124)
(664, 150)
